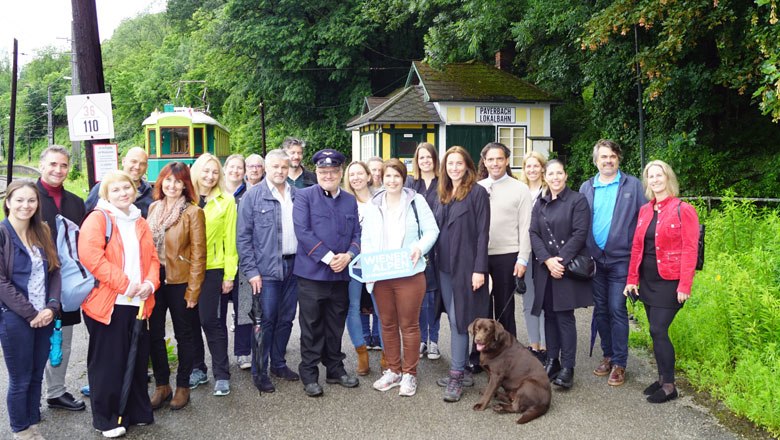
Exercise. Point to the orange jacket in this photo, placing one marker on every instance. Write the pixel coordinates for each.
(106, 264)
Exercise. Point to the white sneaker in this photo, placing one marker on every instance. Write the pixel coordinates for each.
(423, 349)
(387, 381)
(408, 385)
(116, 432)
(244, 362)
(433, 351)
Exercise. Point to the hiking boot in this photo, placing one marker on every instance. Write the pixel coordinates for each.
(197, 377)
(454, 387)
(468, 380)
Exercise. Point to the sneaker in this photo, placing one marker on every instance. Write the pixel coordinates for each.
(433, 351)
(222, 387)
(244, 362)
(423, 349)
(197, 377)
(454, 387)
(468, 380)
(408, 385)
(387, 381)
(119, 431)
(373, 343)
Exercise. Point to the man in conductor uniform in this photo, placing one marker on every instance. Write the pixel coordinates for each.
(328, 233)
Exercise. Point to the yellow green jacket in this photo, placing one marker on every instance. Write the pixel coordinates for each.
(221, 250)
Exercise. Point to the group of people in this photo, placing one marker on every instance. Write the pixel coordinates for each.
(269, 229)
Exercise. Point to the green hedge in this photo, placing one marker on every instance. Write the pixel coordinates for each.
(727, 337)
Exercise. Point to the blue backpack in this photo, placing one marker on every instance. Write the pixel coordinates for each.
(77, 282)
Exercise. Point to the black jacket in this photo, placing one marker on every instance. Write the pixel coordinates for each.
(72, 208)
(569, 219)
(465, 228)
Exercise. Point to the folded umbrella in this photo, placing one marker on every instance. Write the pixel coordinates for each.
(127, 381)
(55, 351)
(256, 314)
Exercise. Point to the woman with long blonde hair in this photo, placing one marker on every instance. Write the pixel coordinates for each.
(534, 166)
(208, 179)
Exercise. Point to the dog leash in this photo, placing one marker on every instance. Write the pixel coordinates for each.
(505, 306)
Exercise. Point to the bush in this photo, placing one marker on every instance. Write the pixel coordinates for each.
(727, 337)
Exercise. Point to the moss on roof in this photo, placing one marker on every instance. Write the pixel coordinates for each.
(476, 81)
(406, 105)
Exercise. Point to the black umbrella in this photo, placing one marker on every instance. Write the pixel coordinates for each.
(257, 339)
(131, 356)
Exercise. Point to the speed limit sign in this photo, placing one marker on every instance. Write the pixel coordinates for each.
(90, 117)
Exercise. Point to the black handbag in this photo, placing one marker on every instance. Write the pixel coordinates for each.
(581, 267)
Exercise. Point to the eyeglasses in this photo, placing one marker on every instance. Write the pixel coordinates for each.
(254, 166)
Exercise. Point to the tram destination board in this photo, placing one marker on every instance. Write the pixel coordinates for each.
(90, 117)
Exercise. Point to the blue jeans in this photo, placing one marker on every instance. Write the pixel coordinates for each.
(26, 351)
(355, 319)
(610, 311)
(429, 322)
(278, 300)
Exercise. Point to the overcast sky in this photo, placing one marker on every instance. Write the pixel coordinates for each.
(41, 23)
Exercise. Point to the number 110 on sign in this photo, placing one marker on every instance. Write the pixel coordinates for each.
(91, 123)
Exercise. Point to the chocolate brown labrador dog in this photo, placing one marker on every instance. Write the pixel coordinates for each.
(510, 366)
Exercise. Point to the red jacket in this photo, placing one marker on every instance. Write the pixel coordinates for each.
(676, 242)
(106, 262)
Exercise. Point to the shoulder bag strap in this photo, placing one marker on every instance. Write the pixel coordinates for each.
(416, 218)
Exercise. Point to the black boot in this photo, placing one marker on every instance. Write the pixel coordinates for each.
(565, 378)
(552, 367)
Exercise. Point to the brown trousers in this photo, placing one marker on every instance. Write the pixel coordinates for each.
(399, 303)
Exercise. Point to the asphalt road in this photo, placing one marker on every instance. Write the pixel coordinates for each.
(590, 410)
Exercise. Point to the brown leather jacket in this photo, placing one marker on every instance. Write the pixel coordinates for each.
(185, 251)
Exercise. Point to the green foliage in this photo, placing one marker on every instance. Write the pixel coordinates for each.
(727, 337)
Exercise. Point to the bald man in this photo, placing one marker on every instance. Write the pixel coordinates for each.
(134, 163)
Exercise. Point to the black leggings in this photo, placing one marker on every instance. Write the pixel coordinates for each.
(660, 319)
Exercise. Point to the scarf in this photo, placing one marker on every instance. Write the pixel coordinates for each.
(160, 220)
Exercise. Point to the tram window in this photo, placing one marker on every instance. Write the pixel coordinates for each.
(198, 139)
(175, 140)
(153, 142)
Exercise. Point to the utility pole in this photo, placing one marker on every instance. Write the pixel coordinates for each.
(74, 90)
(86, 42)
